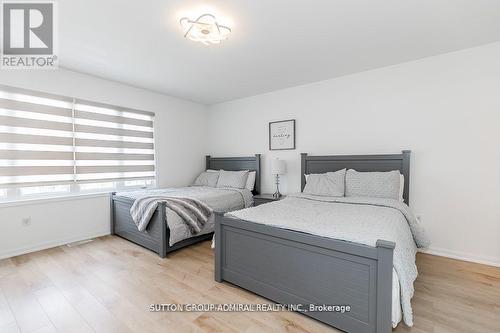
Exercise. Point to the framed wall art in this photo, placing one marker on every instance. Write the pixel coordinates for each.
(282, 135)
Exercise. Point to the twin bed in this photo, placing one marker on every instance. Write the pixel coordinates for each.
(164, 232)
(308, 249)
(314, 250)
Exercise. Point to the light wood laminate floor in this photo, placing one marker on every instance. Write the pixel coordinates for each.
(107, 286)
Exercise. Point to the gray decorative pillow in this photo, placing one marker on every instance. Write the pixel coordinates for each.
(327, 184)
(207, 178)
(234, 179)
(373, 184)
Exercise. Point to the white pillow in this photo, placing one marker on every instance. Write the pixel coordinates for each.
(330, 184)
(401, 187)
(250, 185)
(234, 179)
(251, 180)
(373, 184)
(207, 179)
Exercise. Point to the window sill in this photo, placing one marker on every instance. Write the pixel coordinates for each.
(54, 198)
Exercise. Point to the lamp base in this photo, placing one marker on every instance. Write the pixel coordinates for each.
(277, 194)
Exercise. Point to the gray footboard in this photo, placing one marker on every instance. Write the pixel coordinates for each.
(155, 238)
(291, 267)
(157, 235)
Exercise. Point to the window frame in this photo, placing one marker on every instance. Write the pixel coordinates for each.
(13, 192)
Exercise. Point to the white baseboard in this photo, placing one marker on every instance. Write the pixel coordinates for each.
(50, 244)
(490, 261)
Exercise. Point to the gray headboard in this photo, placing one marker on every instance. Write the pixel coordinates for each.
(235, 164)
(364, 163)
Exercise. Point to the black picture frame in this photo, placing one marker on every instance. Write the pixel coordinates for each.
(274, 123)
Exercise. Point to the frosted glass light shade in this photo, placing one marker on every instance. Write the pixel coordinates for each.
(205, 29)
(278, 167)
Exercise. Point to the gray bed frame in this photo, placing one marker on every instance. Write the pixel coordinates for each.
(291, 267)
(156, 236)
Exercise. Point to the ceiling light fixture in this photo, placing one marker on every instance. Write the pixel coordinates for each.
(205, 29)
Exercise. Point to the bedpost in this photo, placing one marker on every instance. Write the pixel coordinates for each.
(257, 174)
(112, 214)
(164, 237)
(207, 162)
(406, 174)
(303, 157)
(218, 246)
(385, 251)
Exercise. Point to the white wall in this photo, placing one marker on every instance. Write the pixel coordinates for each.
(180, 133)
(446, 109)
(53, 223)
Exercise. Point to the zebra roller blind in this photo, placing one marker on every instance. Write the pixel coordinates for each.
(47, 139)
(112, 143)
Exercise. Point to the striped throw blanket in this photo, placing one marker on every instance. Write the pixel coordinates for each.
(194, 213)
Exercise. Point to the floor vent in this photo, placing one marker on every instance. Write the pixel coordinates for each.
(79, 243)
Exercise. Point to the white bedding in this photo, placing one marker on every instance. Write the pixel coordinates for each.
(396, 312)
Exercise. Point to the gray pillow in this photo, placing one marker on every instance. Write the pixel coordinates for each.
(234, 179)
(207, 178)
(373, 184)
(327, 184)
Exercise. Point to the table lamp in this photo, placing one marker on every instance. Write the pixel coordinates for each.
(278, 167)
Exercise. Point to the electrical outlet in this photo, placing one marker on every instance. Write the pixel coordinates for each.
(27, 221)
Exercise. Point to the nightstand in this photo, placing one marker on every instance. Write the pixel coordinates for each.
(264, 198)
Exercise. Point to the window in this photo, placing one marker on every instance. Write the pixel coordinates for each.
(34, 190)
(58, 145)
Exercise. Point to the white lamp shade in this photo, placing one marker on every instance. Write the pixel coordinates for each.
(278, 167)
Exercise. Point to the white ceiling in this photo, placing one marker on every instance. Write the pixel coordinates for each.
(275, 44)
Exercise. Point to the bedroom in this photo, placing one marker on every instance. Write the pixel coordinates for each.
(339, 78)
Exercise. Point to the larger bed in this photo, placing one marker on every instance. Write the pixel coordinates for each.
(327, 251)
(165, 232)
